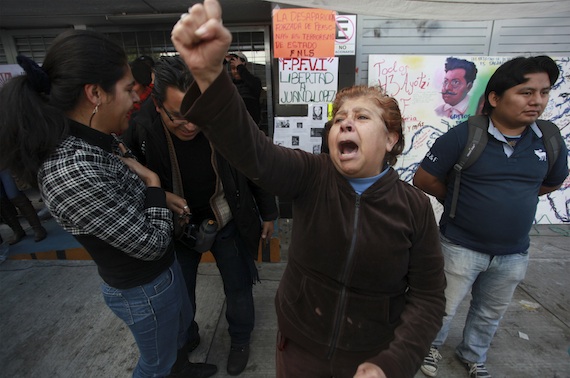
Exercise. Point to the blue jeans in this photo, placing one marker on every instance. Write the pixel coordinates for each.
(8, 185)
(230, 253)
(158, 315)
(492, 281)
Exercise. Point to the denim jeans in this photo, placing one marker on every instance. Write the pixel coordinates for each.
(492, 281)
(158, 315)
(8, 186)
(230, 253)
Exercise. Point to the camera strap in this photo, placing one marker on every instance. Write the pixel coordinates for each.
(177, 187)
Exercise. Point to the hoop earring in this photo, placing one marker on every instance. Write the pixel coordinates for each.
(93, 114)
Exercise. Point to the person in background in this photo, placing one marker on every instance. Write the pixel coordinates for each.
(12, 197)
(213, 190)
(324, 141)
(142, 68)
(248, 85)
(486, 244)
(112, 205)
(4, 250)
(460, 75)
(363, 291)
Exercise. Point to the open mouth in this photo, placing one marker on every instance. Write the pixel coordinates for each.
(347, 148)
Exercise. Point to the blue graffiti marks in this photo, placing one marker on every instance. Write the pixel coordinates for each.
(433, 132)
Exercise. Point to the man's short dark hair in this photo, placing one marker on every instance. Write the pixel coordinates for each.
(452, 63)
(512, 73)
(141, 68)
(170, 71)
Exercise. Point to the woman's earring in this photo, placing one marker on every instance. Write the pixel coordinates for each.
(93, 114)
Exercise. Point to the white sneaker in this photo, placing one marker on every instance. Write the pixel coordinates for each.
(476, 369)
(429, 366)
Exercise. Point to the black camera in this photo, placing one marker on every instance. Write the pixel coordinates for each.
(189, 235)
(200, 237)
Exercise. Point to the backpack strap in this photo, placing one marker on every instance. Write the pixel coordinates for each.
(476, 142)
(552, 141)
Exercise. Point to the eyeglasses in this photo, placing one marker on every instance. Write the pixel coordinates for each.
(453, 83)
(175, 121)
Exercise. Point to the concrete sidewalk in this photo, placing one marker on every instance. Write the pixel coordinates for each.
(54, 323)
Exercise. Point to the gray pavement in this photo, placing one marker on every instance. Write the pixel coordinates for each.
(54, 323)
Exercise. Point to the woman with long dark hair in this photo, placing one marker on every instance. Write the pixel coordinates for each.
(57, 129)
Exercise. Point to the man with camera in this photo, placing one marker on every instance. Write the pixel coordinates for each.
(215, 193)
(248, 85)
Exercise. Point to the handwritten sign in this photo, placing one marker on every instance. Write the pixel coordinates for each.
(304, 33)
(307, 80)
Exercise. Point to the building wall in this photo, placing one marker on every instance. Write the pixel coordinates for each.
(549, 36)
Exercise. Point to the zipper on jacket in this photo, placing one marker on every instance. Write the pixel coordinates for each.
(213, 206)
(342, 301)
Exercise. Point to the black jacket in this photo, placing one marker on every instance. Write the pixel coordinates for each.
(249, 88)
(247, 202)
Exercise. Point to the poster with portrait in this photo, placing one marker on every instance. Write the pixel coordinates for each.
(432, 101)
(303, 133)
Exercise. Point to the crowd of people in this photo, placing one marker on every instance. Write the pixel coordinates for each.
(371, 284)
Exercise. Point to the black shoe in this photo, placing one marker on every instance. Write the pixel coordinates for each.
(196, 370)
(237, 360)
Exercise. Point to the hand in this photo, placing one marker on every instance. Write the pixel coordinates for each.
(267, 231)
(202, 41)
(235, 62)
(149, 178)
(178, 205)
(369, 370)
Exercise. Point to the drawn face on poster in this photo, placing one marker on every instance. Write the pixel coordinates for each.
(458, 81)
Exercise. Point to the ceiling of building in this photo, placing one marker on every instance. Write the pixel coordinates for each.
(26, 14)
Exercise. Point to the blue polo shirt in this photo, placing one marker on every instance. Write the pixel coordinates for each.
(499, 192)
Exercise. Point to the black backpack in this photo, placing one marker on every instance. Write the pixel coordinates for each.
(477, 140)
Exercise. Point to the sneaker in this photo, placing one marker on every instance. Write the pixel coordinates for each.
(429, 366)
(237, 360)
(476, 369)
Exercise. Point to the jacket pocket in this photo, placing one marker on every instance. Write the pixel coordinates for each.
(369, 321)
(311, 307)
(308, 306)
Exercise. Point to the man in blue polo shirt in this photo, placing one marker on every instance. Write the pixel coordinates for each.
(485, 245)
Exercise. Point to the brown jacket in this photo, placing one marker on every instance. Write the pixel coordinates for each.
(365, 272)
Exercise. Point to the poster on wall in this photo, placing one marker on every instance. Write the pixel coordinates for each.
(307, 80)
(303, 32)
(8, 71)
(304, 133)
(433, 102)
